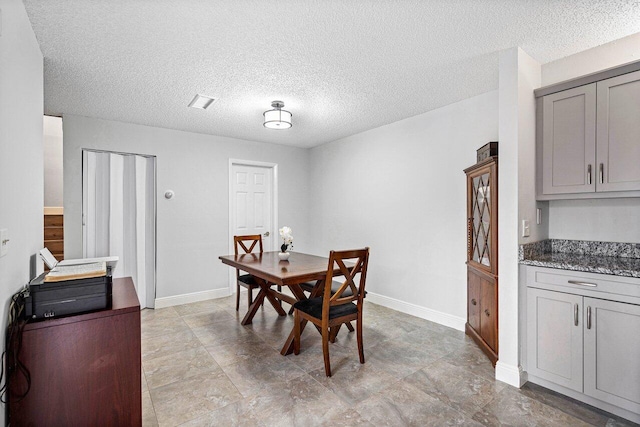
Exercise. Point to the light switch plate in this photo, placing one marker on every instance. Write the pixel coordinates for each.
(4, 241)
(525, 228)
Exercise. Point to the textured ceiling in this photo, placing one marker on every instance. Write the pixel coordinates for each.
(341, 67)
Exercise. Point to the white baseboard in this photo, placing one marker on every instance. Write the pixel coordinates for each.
(510, 374)
(418, 311)
(189, 298)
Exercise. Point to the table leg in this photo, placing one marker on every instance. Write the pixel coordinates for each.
(275, 303)
(253, 309)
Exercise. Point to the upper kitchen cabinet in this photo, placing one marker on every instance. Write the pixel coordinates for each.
(588, 136)
(618, 135)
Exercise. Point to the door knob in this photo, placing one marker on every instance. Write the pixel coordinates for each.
(266, 234)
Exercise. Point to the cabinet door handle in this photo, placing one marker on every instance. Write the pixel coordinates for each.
(487, 313)
(577, 282)
(601, 173)
(575, 314)
(474, 302)
(589, 175)
(589, 317)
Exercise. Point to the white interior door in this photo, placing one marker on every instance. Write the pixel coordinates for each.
(252, 204)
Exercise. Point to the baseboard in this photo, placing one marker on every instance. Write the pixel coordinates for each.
(512, 375)
(418, 311)
(189, 298)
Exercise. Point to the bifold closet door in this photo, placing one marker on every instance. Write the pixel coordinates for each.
(119, 214)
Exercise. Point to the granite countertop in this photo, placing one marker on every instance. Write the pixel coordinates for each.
(618, 259)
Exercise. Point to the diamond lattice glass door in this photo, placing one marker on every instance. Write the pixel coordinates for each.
(480, 250)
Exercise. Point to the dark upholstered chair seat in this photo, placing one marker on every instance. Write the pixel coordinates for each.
(248, 279)
(313, 307)
(308, 286)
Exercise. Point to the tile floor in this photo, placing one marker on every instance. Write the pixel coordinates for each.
(202, 368)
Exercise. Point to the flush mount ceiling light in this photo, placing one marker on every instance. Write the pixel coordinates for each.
(277, 118)
(201, 101)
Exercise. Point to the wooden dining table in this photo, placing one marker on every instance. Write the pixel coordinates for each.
(299, 268)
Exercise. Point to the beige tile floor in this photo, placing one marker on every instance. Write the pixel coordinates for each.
(202, 368)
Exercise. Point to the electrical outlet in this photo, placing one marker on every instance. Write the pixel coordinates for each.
(525, 228)
(4, 241)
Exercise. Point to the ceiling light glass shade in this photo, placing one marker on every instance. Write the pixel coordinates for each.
(277, 118)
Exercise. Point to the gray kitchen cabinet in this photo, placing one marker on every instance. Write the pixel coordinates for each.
(618, 137)
(589, 139)
(554, 337)
(581, 337)
(569, 137)
(612, 352)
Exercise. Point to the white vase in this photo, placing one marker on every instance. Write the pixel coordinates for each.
(283, 256)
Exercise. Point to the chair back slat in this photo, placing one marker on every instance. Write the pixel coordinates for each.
(360, 257)
(239, 241)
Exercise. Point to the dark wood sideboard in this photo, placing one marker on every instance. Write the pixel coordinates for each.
(85, 369)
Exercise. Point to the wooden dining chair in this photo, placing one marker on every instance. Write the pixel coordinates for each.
(247, 244)
(338, 306)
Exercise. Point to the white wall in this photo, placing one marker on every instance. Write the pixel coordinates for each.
(53, 161)
(519, 76)
(21, 176)
(401, 190)
(193, 226)
(613, 220)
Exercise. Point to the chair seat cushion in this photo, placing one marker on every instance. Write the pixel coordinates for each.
(249, 280)
(313, 307)
(308, 286)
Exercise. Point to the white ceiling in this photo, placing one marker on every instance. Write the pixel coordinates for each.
(341, 67)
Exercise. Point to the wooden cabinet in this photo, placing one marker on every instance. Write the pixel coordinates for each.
(482, 256)
(85, 370)
(54, 234)
(581, 336)
(589, 140)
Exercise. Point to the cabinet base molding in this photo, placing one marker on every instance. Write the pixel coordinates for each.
(493, 357)
(631, 416)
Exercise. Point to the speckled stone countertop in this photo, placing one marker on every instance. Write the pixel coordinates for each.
(618, 259)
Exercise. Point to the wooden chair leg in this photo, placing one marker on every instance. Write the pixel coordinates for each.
(296, 332)
(250, 296)
(237, 297)
(280, 290)
(333, 332)
(349, 326)
(359, 337)
(325, 351)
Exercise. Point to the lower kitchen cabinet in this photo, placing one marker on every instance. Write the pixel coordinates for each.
(554, 337)
(612, 352)
(580, 341)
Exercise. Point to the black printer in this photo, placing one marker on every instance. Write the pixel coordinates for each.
(55, 299)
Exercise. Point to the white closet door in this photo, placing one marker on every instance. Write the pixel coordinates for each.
(119, 215)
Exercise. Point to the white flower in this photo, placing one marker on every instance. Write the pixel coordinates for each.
(287, 237)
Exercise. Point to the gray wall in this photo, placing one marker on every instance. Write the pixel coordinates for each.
(21, 176)
(192, 227)
(53, 162)
(606, 220)
(401, 190)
